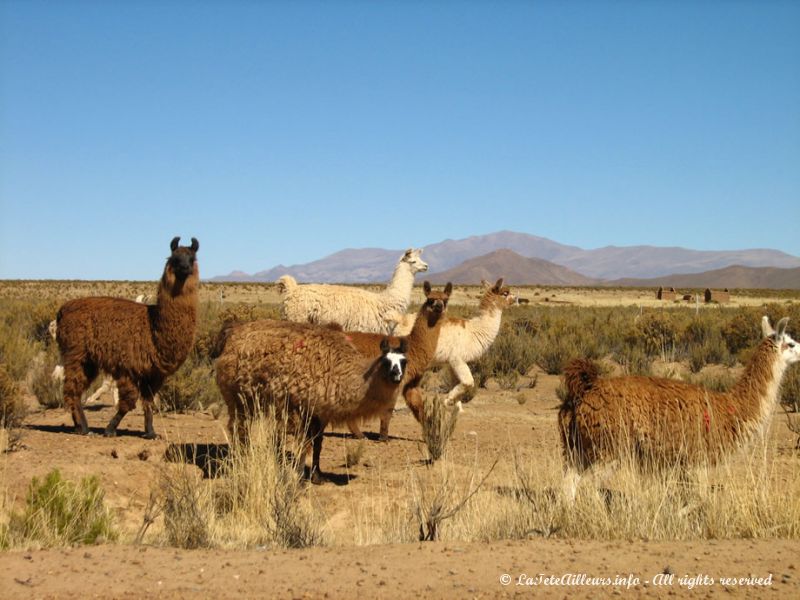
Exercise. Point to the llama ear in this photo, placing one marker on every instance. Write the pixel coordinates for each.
(766, 328)
(485, 284)
(499, 285)
(448, 289)
(195, 245)
(408, 253)
(426, 287)
(173, 245)
(385, 346)
(782, 326)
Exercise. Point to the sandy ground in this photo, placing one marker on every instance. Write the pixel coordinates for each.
(523, 419)
(128, 465)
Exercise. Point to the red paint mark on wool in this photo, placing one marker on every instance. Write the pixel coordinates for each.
(707, 420)
(731, 409)
(299, 344)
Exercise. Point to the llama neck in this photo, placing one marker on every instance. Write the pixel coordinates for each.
(756, 392)
(174, 319)
(485, 327)
(422, 344)
(399, 288)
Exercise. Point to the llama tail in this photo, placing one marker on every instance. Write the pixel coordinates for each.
(286, 283)
(580, 376)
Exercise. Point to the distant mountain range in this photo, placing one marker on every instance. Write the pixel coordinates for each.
(524, 258)
(515, 269)
(732, 277)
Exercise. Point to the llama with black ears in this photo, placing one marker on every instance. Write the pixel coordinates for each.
(138, 345)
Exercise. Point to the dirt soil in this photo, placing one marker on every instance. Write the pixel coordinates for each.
(128, 466)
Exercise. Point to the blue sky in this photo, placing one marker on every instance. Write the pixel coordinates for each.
(279, 132)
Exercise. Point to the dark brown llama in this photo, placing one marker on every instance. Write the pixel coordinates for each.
(138, 345)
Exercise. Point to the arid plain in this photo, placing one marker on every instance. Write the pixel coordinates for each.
(503, 528)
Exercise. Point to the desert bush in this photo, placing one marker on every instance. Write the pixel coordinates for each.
(185, 506)
(12, 408)
(49, 391)
(438, 424)
(741, 332)
(716, 381)
(59, 512)
(511, 355)
(260, 501)
(790, 389)
(712, 350)
(658, 334)
(191, 387)
(634, 361)
(265, 491)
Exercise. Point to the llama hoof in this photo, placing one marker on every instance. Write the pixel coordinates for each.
(316, 478)
(151, 435)
(81, 431)
(110, 433)
(384, 439)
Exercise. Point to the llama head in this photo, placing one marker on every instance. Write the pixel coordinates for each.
(183, 260)
(788, 350)
(497, 295)
(393, 360)
(412, 257)
(435, 303)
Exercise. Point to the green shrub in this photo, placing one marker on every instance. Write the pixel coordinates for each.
(658, 334)
(742, 332)
(790, 389)
(61, 513)
(191, 387)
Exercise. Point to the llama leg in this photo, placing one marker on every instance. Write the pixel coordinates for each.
(414, 400)
(148, 392)
(128, 394)
(107, 382)
(385, 419)
(315, 429)
(465, 383)
(149, 431)
(352, 424)
(76, 380)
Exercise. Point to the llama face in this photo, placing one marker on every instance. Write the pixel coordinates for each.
(501, 295)
(787, 347)
(412, 257)
(183, 258)
(395, 364)
(436, 302)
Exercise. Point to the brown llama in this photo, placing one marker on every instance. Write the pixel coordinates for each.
(139, 345)
(662, 422)
(312, 372)
(423, 340)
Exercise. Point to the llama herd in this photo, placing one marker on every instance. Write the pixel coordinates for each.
(341, 355)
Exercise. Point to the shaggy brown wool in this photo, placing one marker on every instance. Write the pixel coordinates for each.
(662, 422)
(138, 345)
(311, 371)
